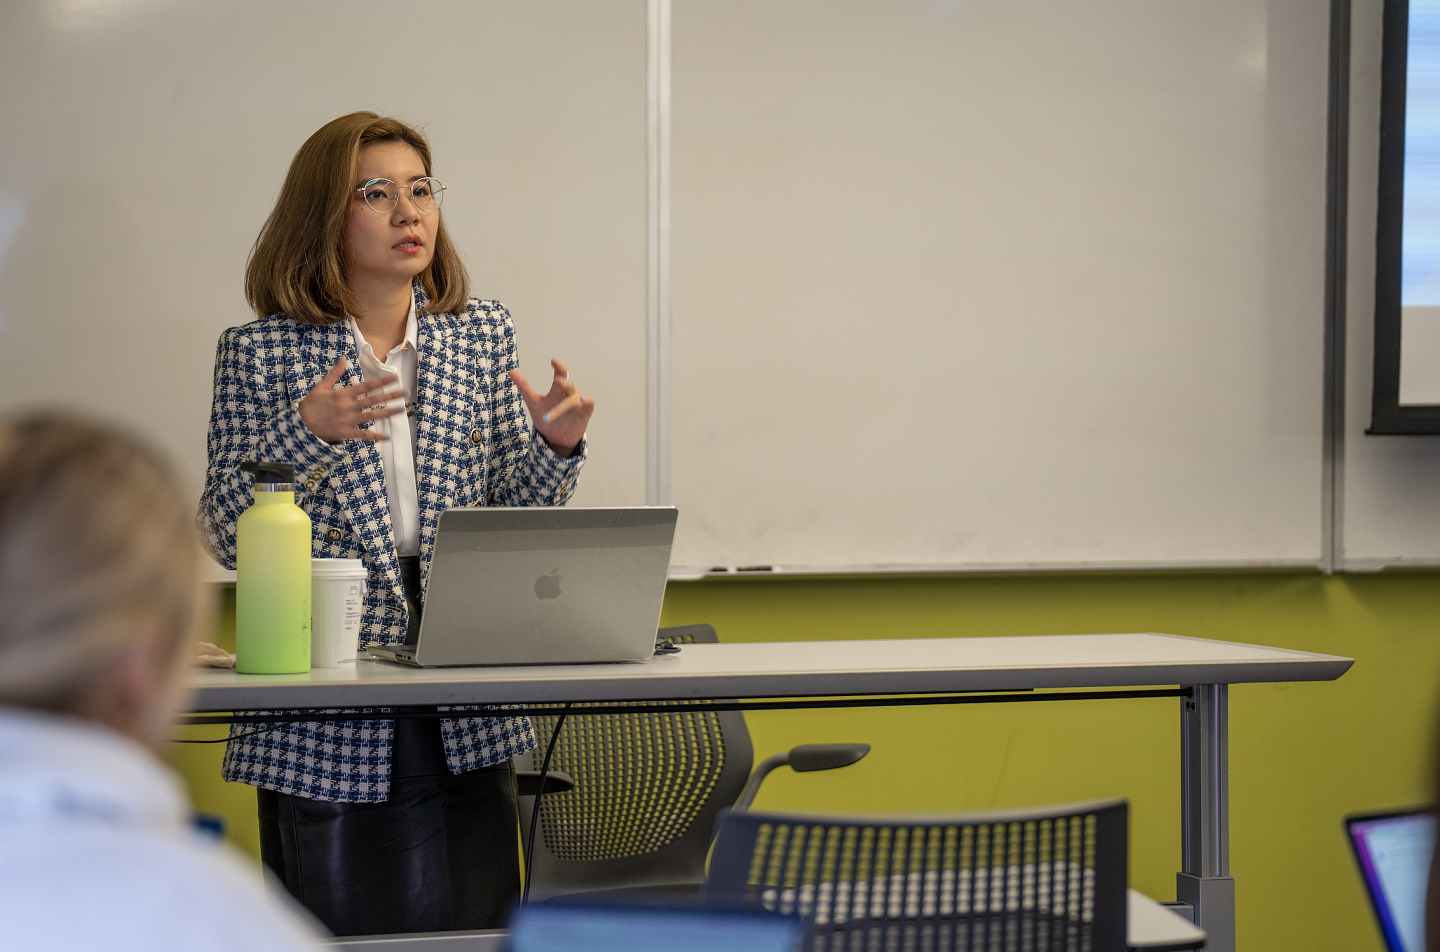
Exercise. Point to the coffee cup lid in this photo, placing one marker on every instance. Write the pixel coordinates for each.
(337, 568)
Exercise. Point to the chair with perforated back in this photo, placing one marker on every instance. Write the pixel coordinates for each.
(1038, 880)
(647, 789)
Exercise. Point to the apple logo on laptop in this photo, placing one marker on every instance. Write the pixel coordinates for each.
(548, 586)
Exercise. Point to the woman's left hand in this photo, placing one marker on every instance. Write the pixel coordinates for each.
(561, 415)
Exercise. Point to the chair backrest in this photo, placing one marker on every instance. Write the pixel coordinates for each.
(648, 790)
(1045, 879)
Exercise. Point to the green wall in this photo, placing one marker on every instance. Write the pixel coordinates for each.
(1302, 755)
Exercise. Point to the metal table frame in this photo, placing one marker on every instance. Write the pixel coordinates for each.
(1204, 881)
(809, 675)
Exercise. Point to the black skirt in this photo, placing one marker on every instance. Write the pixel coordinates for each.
(441, 853)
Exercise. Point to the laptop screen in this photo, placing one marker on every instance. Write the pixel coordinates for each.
(631, 929)
(1394, 852)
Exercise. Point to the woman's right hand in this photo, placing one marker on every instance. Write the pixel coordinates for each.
(335, 413)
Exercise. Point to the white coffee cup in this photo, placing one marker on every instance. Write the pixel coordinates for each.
(337, 600)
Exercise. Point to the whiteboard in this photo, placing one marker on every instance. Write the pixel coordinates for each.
(145, 142)
(997, 284)
(947, 283)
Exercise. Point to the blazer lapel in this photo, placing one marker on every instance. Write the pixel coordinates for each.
(442, 421)
(358, 479)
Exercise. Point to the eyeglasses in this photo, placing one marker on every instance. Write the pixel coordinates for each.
(383, 194)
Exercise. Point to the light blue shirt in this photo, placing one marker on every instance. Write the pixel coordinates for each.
(97, 852)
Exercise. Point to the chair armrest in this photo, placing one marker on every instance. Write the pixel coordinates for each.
(803, 758)
(807, 757)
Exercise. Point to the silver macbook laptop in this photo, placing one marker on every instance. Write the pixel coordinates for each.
(542, 586)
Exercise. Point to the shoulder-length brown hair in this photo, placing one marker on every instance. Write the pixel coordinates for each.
(297, 266)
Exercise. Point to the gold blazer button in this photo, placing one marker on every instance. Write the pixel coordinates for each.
(334, 535)
(476, 436)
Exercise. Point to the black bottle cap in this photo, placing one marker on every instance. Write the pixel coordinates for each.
(270, 472)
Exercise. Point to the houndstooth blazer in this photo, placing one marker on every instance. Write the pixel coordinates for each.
(474, 447)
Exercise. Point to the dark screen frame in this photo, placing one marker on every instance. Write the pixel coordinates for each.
(1387, 416)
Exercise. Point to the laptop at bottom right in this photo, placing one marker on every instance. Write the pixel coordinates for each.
(1394, 851)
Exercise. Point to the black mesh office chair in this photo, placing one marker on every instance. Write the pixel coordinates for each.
(1039, 880)
(636, 805)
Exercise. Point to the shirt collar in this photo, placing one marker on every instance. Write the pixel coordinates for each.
(412, 334)
(412, 327)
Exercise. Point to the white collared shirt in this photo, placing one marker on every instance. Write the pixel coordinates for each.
(397, 454)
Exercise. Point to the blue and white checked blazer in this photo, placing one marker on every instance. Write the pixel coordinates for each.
(474, 447)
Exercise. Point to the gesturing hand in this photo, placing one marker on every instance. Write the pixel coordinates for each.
(561, 415)
(335, 413)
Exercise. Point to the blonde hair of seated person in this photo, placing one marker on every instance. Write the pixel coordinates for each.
(100, 576)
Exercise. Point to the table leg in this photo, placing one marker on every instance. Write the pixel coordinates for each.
(1204, 881)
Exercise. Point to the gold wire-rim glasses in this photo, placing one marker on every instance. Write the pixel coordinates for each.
(434, 194)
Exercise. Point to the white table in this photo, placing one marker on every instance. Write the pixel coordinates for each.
(844, 673)
(1149, 926)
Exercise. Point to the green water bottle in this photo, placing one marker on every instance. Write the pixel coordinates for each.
(272, 577)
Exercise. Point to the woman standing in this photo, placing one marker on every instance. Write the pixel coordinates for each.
(395, 396)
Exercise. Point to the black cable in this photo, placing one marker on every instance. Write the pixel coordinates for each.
(225, 740)
(535, 810)
(679, 705)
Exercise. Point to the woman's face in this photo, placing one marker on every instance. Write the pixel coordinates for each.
(394, 245)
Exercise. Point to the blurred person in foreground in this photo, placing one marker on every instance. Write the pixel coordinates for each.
(100, 599)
